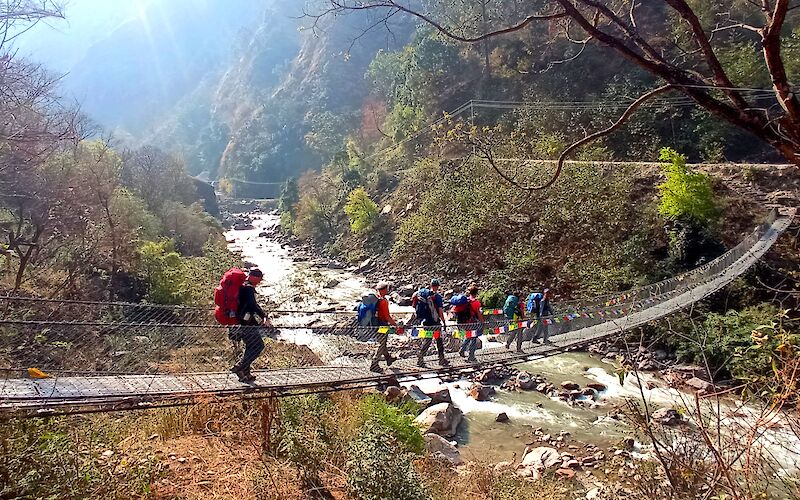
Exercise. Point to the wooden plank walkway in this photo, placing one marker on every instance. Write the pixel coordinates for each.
(75, 394)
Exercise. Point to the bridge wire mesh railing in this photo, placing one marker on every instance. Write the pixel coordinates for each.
(63, 337)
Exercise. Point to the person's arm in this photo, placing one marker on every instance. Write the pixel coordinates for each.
(383, 312)
(521, 310)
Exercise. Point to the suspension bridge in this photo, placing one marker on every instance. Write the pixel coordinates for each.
(62, 356)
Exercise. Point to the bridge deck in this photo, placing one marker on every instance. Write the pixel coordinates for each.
(83, 393)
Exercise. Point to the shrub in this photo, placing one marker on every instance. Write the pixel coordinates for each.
(308, 435)
(492, 298)
(163, 270)
(398, 421)
(361, 210)
(731, 342)
(376, 470)
(686, 195)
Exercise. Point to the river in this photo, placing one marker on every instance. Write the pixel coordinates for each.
(299, 285)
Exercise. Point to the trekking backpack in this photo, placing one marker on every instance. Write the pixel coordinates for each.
(534, 300)
(511, 306)
(425, 308)
(367, 310)
(461, 308)
(226, 296)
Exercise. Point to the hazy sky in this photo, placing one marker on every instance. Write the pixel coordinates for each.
(59, 43)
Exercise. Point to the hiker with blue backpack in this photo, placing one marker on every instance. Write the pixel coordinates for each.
(467, 310)
(513, 310)
(428, 306)
(374, 312)
(540, 302)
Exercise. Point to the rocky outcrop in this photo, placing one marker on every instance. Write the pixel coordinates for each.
(570, 386)
(441, 448)
(442, 419)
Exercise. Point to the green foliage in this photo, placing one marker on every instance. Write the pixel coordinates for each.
(376, 471)
(163, 270)
(492, 298)
(289, 197)
(361, 210)
(730, 342)
(308, 434)
(55, 458)
(397, 421)
(189, 226)
(686, 195)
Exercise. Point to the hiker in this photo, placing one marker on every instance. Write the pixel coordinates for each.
(542, 310)
(468, 312)
(251, 318)
(381, 317)
(428, 306)
(513, 310)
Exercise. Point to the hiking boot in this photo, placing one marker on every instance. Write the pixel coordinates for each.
(472, 359)
(520, 351)
(462, 353)
(390, 361)
(247, 376)
(443, 362)
(421, 363)
(508, 344)
(374, 367)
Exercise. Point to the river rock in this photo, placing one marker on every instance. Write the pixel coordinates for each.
(565, 473)
(597, 386)
(570, 386)
(524, 381)
(502, 417)
(441, 419)
(666, 416)
(700, 384)
(331, 283)
(420, 397)
(536, 460)
(480, 392)
(440, 396)
(439, 447)
(393, 393)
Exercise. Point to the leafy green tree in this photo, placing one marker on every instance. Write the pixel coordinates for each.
(686, 195)
(289, 196)
(163, 270)
(361, 210)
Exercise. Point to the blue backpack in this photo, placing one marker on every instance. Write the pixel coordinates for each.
(367, 314)
(511, 306)
(534, 300)
(424, 308)
(462, 308)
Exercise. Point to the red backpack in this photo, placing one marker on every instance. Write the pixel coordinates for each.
(226, 296)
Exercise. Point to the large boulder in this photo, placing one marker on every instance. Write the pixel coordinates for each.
(439, 447)
(441, 419)
(480, 392)
(666, 416)
(537, 460)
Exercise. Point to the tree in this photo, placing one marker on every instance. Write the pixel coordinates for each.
(360, 210)
(675, 40)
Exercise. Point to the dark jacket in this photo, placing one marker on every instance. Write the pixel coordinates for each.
(544, 308)
(248, 304)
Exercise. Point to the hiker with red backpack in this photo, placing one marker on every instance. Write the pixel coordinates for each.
(378, 315)
(428, 306)
(467, 310)
(237, 307)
